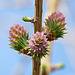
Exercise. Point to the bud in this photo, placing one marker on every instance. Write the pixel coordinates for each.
(28, 19)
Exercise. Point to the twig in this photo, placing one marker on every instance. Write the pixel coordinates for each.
(37, 27)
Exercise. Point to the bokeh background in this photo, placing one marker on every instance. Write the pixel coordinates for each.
(63, 50)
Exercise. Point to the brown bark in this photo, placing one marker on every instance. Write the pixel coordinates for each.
(36, 66)
(37, 27)
(38, 16)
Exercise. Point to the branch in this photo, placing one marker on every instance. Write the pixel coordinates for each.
(57, 66)
(37, 27)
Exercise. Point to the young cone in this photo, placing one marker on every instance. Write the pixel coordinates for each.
(55, 24)
(18, 37)
(38, 45)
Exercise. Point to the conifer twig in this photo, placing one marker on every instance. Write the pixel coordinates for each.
(37, 27)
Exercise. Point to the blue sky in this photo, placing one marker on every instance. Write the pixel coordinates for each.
(62, 51)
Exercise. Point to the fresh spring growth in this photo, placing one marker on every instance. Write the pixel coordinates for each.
(38, 45)
(27, 19)
(56, 24)
(18, 37)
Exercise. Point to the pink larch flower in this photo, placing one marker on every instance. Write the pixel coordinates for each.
(38, 44)
(18, 36)
(55, 26)
(57, 17)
